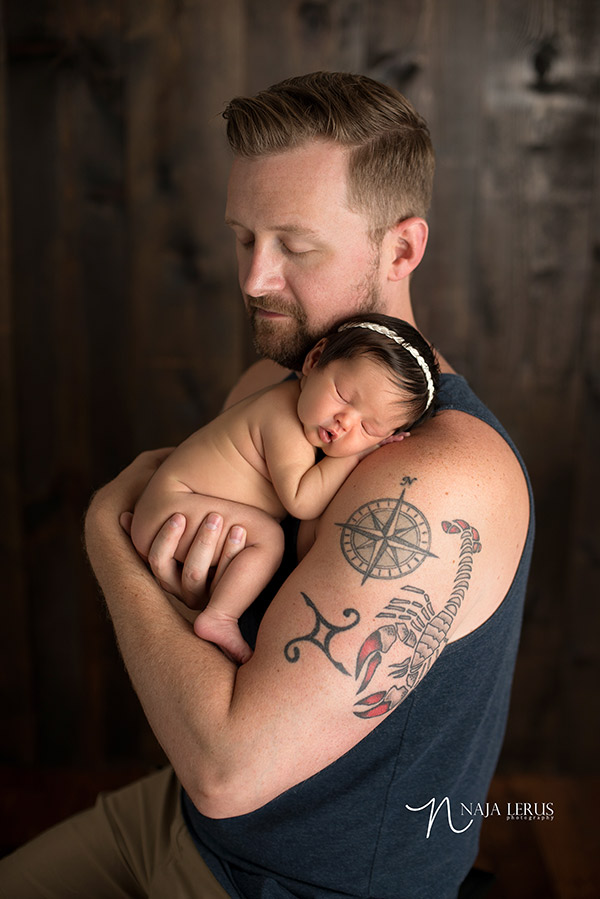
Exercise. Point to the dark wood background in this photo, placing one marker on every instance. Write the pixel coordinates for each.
(121, 327)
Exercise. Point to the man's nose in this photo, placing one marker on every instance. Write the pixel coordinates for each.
(264, 274)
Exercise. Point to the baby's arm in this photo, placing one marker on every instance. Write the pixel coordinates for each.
(304, 488)
(307, 495)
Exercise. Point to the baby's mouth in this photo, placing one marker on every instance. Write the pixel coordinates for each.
(326, 436)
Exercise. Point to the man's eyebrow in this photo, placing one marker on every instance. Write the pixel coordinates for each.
(297, 229)
(288, 228)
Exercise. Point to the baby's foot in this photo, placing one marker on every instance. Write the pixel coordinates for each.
(222, 629)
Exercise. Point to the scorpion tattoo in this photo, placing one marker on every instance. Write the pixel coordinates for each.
(417, 627)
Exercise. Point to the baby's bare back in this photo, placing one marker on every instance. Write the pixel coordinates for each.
(224, 459)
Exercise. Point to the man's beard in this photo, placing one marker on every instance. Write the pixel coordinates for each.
(286, 342)
(289, 342)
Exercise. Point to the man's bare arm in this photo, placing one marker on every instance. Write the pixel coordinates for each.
(239, 737)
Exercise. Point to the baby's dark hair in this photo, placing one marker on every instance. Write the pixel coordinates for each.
(353, 337)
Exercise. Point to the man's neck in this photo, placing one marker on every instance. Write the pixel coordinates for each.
(402, 308)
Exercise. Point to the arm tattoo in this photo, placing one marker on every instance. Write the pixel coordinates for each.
(417, 627)
(321, 635)
(386, 538)
(412, 623)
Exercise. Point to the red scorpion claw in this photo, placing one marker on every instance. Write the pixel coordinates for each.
(376, 643)
(450, 528)
(380, 709)
(458, 525)
(372, 667)
(372, 699)
(371, 644)
(381, 703)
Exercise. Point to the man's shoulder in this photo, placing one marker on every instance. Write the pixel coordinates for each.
(395, 516)
(261, 374)
(455, 450)
(455, 466)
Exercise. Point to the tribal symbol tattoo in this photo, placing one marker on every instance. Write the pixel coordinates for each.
(386, 538)
(321, 635)
(416, 626)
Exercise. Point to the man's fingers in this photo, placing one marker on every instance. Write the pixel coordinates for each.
(125, 520)
(161, 556)
(199, 559)
(193, 581)
(234, 543)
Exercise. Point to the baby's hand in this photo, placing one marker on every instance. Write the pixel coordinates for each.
(394, 438)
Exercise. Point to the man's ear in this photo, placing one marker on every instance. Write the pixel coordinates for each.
(313, 356)
(404, 245)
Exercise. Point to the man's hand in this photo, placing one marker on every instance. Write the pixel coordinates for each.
(191, 582)
(195, 579)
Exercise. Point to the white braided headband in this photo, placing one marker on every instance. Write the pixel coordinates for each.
(381, 329)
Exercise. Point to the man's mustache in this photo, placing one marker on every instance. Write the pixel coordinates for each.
(271, 304)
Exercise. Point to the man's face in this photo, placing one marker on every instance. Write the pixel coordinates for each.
(305, 259)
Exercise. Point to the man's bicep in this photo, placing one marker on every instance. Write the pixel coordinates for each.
(416, 561)
(292, 704)
(356, 626)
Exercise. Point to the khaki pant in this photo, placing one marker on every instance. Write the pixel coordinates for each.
(133, 843)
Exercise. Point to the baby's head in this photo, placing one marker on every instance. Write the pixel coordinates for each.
(370, 377)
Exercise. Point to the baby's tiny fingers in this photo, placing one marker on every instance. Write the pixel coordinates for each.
(395, 438)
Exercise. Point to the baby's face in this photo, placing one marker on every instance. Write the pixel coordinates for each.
(348, 406)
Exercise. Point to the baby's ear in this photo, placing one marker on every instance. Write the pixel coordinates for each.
(313, 356)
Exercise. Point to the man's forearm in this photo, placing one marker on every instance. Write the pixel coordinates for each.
(185, 685)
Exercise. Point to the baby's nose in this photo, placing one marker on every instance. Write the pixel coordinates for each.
(346, 419)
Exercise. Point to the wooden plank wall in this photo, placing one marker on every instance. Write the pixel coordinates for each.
(121, 327)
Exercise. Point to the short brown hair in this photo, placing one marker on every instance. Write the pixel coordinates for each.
(391, 161)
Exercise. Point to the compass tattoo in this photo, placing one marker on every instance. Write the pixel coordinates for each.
(386, 538)
(412, 627)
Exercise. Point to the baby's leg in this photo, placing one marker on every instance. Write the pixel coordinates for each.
(164, 496)
(242, 581)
